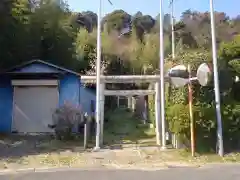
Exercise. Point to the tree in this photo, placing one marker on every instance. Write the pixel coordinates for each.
(117, 20)
(14, 25)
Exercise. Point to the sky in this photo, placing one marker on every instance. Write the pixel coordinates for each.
(151, 7)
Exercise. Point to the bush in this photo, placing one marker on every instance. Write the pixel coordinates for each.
(65, 118)
(205, 127)
(231, 126)
(205, 124)
(151, 109)
(177, 116)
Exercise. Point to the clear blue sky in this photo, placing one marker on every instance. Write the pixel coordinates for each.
(151, 7)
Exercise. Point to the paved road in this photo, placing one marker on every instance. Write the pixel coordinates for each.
(229, 172)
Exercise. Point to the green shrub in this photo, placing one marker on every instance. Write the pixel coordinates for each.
(177, 116)
(151, 109)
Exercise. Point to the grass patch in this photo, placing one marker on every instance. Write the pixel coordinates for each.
(185, 155)
(124, 127)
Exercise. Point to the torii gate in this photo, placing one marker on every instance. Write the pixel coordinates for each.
(160, 128)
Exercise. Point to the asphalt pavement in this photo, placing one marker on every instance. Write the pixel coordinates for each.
(212, 172)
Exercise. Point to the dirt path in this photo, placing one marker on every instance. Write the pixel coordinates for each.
(18, 152)
(38, 152)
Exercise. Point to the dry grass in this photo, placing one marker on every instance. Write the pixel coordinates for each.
(127, 145)
(126, 157)
(130, 156)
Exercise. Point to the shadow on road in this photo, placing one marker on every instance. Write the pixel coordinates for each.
(16, 146)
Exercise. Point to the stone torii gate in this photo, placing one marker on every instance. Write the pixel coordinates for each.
(124, 79)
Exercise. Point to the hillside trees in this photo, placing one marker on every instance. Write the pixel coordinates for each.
(41, 32)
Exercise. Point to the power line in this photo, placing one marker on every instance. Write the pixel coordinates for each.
(110, 2)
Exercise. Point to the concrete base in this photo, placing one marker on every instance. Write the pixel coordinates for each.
(164, 148)
(96, 149)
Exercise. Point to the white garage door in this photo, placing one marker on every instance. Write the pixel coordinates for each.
(33, 108)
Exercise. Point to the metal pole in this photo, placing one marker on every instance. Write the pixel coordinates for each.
(173, 33)
(98, 73)
(174, 139)
(216, 82)
(190, 99)
(157, 113)
(161, 65)
(102, 102)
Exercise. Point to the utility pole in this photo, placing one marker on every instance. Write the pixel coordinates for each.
(161, 65)
(98, 73)
(216, 82)
(172, 26)
(174, 138)
(99, 86)
(190, 104)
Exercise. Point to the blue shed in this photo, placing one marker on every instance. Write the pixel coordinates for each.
(29, 93)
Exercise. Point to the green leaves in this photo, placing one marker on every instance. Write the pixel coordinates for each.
(235, 64)
(178, 118)
(37, 32)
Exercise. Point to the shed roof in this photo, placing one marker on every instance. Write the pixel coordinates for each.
(21, 66)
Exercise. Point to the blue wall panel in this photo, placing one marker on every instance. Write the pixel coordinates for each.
(38, 68)
(86, 96)
(69, 90)
(6, 105)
